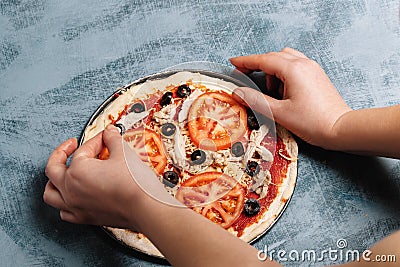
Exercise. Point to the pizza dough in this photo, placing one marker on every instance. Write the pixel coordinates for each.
(271, 148)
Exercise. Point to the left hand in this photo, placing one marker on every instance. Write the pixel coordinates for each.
(93, 191)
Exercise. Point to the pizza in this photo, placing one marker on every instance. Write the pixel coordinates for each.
(216, 156)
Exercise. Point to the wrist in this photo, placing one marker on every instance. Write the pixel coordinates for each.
(137, 210)
(148, 204)
(337, 137)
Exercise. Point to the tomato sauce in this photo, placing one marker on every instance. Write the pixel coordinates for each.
(149, 118)
(120, 114)
(153, 101)
(279, 167)
(278, 171)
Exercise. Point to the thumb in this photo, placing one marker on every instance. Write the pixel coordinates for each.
(113, 140)
(256, 100)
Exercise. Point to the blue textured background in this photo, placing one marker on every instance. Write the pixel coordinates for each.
(60, 59)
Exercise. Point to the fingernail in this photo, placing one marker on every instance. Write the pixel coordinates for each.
(69, 142)
(112, 128)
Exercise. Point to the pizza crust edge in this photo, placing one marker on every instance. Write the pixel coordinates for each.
(278, 205)
(138, 241)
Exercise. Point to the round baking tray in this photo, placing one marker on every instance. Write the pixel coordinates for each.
(225, 74)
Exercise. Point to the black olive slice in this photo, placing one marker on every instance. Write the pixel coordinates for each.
(237, 149)
(251, 207)
(121, 128)
(183, 90)
(198, 157)
(252, 168)
(168, 129)
(170, 178)
(252, 121)
(137, 107)
(166, 99)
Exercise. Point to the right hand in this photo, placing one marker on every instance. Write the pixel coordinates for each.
(310, 105)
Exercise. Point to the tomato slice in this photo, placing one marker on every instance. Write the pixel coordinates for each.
(216, 121)
(147, 144)
(215, 195)
(104, 154)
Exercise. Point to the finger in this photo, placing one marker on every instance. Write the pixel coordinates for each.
(259, 57)
(68, 216)
(53, 197)
(113, 140)
(91, 148)
(239, 63)
(56, 167)
(273, 63)
(242, 65)
(244, 70)
(256, 100)
(294, 52)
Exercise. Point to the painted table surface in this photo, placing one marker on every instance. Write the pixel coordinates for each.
(60, 59)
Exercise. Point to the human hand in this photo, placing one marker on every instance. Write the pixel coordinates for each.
(94, 191)
(310, 105)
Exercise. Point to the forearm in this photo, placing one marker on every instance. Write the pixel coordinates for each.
(188, 239)
(388, 249)
(373, 131)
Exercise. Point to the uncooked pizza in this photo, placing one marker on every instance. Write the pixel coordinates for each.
(216, 156)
